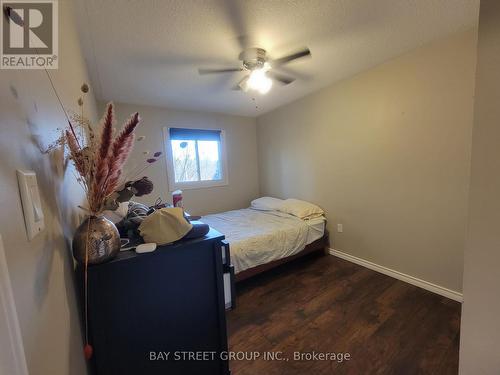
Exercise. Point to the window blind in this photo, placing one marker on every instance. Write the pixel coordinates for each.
(183, 134)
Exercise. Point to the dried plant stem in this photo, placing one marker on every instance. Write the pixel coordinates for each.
(100, 163)
(136, 174)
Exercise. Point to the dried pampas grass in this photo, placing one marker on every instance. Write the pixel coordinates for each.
(100, 161)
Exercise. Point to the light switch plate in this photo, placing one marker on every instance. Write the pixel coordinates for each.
(32, 205)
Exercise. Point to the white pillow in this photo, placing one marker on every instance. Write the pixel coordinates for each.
(267, 204)
(301, 209)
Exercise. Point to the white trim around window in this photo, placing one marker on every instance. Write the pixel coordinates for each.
(172, 185)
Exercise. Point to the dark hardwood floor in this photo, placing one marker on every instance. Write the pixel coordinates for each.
(325, 304)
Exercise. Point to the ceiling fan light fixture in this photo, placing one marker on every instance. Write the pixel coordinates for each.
(259, 81)
(257, 67)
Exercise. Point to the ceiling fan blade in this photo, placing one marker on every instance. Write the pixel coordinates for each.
(242, 81)
(235, 17)
(283, 69)
(294, 56)
(213, 71)
(280, 77)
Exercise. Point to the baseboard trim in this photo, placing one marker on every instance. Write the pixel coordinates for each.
(445, 292)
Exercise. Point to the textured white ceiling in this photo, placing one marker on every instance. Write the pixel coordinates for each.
(148, 51)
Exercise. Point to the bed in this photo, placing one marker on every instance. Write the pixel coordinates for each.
(261, 239)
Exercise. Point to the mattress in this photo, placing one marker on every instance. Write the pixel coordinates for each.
(259, 237)
(316, 229)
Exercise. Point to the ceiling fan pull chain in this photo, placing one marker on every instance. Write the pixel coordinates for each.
(255, 102)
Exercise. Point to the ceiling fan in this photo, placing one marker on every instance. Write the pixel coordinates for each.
(261, 69)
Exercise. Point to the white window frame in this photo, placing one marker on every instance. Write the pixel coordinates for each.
(194, 184)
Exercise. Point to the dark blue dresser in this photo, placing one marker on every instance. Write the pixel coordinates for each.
(148, 312)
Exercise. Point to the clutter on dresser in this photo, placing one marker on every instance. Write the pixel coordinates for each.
(145, 248)
(164, 226)
(177, 198)
(159, 204)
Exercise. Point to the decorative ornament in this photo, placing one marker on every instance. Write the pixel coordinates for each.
(88, 350)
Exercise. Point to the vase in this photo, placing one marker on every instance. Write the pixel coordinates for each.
(99, 237)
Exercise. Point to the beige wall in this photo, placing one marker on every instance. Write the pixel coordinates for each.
(241, 147)
(480, 339)
(41, 270)
(386, 153)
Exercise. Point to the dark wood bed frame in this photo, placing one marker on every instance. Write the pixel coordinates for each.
(321, 244)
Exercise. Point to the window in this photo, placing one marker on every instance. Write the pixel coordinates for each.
(195, 158)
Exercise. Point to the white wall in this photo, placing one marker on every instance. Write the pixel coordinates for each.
(386, 153)
(41, 270)
(480, 331)
(241, 147)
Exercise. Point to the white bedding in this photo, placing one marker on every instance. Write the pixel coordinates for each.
(316, 229)
(259, 237)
